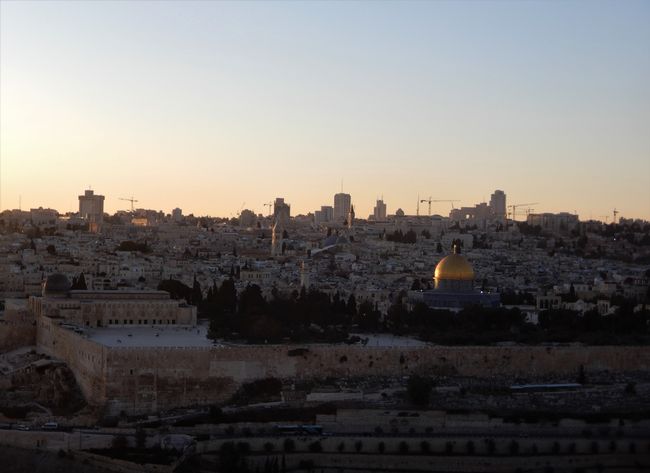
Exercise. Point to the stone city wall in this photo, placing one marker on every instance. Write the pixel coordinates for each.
(146, 379)
(17, 329)
(141, 380)
(85, 358)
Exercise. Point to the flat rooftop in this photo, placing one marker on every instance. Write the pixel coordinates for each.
(150, 336)
(196, 337)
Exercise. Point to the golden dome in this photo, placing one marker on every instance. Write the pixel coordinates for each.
(454, 267)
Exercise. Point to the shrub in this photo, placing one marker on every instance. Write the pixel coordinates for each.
(419, 390)
(514, 447)
(491, 446)
(358, 445)
(381, 447)
(315, 447)
(119, 442)
(268, 447)
(594, 447)
(341, 447)
(140, 438)
(425, 447)
(289, 445)
(403, 448)
(449, 447)
(470, 447)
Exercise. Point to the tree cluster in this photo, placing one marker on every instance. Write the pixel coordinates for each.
(129, 245)
(484, 326)
(399, 237)
(315, 316)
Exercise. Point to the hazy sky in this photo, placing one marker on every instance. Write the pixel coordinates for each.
(209, 105)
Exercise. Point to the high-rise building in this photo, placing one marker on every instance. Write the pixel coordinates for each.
(281, 210)
(342, 204)
(324, 215)
(91, 207)
(177, 215)
(498, 204)
(379, 212)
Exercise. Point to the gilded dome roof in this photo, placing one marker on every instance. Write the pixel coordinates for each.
(454, 267)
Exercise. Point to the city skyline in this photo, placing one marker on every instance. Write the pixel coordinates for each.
(212, 107)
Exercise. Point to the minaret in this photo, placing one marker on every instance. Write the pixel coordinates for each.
(351, 217)
(278, 230)
(304, 274)
(276, 238)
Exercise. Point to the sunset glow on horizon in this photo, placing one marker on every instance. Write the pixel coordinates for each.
(217, 106)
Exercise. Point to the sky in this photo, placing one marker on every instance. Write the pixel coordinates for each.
(217, 106)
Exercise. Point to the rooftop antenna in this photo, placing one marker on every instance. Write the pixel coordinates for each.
(417, 209)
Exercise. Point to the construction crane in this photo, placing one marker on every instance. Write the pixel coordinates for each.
(270, 206)
(615, 212)
(429, 200)
(132, 200)
(515, 206)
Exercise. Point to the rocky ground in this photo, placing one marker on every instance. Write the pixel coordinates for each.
(32, 384)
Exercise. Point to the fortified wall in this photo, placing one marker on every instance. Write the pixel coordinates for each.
(116, 369)
(17, 329)
(146, 379)
(85, 358)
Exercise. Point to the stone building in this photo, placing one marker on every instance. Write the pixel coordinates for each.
(108, 308)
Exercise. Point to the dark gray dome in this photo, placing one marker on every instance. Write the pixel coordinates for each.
(56, 284)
